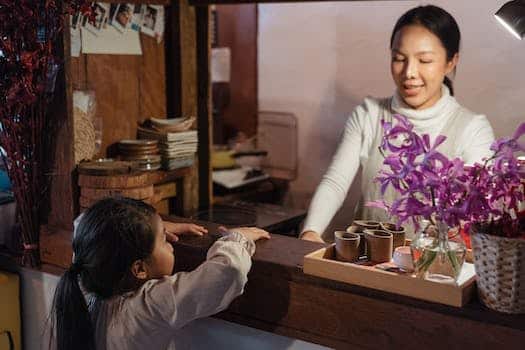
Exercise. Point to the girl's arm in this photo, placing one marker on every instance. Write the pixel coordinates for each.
(177, 300)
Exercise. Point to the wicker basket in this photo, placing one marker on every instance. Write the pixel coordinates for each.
(500, 267)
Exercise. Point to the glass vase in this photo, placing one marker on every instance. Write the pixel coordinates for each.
(438, 253)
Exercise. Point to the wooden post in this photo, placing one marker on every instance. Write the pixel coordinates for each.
(204, 105)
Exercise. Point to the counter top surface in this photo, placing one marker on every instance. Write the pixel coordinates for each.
(280, 298)
(283, 256)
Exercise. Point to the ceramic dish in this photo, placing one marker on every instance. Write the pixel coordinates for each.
(141, 142)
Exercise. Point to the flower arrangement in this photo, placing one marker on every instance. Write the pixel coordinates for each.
(439, 189)
(29, 62)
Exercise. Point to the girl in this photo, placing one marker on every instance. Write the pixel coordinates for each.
(119, 292)
(425, 49)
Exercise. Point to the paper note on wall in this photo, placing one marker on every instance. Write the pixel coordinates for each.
(75, 42)
(220, 64)
(111, 41)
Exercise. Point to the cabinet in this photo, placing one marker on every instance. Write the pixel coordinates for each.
(163, 81)
(10, 325)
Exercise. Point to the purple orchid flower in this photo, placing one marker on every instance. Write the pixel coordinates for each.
(432, 186)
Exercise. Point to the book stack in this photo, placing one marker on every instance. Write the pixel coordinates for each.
(177, 149)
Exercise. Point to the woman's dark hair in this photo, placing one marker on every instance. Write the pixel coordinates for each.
(111, 235)
(440, 23)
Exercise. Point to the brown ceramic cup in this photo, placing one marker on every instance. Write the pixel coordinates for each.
(379, 245)
(359, 226)
(346, 246)
(398, 233)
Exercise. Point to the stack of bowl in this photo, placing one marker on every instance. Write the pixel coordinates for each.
(144, 153)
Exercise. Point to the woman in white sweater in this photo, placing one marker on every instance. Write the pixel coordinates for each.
(425, 48)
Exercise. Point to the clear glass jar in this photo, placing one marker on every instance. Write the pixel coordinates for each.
(438, 253)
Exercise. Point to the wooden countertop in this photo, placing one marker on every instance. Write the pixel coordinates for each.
(280, 298)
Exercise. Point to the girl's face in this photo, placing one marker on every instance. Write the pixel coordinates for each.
(162, 260)
(419, 65)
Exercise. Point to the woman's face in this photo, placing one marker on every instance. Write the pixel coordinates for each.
(161, 261)
(419, 65)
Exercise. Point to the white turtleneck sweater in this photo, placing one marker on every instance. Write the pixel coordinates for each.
(469, 137)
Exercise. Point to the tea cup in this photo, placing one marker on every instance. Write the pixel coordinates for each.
(378, 245)
(346, 246)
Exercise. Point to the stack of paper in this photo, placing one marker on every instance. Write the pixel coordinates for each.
(177, 149)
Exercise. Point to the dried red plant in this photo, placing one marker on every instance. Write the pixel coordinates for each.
(29, 62)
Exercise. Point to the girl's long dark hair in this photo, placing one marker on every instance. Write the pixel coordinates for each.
(440, 23)
(111, 235)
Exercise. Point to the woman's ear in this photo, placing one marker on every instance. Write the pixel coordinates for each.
(138, 269)
(451, 65)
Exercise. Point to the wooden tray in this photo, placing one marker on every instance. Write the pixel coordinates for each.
(321, 263)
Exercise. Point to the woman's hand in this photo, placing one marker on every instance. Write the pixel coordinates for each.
(311, 236)
(173, 230)
(253, 233)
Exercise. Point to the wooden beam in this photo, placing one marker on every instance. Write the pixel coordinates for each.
(204, 103)
(148, 2)
(230, 2)
(61, 164)
(172, 37)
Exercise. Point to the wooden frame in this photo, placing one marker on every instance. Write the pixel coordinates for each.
(231, 2)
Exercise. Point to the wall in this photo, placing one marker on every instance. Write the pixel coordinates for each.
(319, 60)
(237, 29)
(128, 89)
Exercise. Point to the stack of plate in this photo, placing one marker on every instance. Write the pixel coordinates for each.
(177, 149)
(144, 153)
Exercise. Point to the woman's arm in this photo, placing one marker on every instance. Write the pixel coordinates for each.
(332, 191)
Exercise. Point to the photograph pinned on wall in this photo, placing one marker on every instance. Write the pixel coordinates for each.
(112, 11)
(123, 15)
(136, 20)
(75, 20)
(74, 30)
(100, 18)
(153, 21)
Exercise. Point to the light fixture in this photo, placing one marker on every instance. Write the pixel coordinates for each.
(512, 16)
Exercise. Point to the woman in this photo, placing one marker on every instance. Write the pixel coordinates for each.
(425, 49)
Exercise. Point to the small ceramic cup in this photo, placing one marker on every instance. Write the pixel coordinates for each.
(346, 246)
(403, 258)
(378, 245)
(358, 226)
(398, 233)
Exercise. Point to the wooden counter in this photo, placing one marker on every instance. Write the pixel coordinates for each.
(279, 298)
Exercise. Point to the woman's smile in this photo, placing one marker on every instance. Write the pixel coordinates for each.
(411, 89)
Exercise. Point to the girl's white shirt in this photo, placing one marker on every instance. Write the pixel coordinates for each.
(152, 317)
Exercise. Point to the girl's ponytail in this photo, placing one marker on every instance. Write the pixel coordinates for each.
(111, 235)
(70, 316)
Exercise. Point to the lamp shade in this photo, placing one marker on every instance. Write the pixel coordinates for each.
(512, 16)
